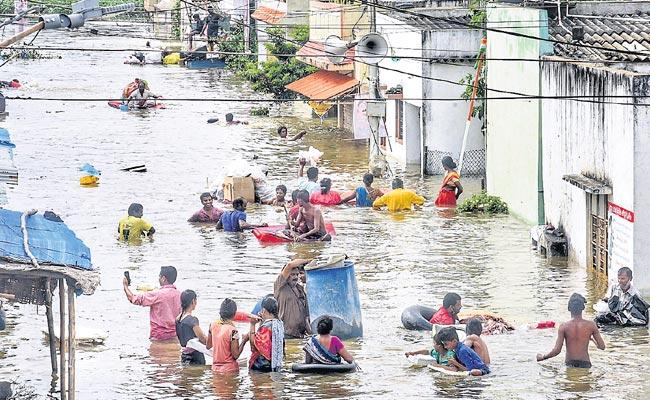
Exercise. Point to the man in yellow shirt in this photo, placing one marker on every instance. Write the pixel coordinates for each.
(133, 227)
(399, 198)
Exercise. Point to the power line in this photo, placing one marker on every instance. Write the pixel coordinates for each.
(585, 98)
(489, 29)
(323, 54)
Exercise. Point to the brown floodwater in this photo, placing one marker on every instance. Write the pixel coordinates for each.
(401, 259)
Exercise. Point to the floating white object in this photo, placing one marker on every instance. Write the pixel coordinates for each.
(421, 360)
(85, 335)
(438, 368)
(198, 346)
(601, 307)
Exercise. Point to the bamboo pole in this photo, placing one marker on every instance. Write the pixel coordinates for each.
(71, 340)
(34, 28)
(50, 327)
(62, 346)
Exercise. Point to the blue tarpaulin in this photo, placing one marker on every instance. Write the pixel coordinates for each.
(5, 140)
(50, 242)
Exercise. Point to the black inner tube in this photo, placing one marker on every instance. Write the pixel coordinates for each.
(417, 318)
(323, 368)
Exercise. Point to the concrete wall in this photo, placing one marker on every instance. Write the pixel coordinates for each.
(324, 20)
(395, 71)
(444, 121)
(513, 126)
(588, 138)
(641, 182)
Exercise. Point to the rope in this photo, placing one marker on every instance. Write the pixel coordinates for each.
(23, 227)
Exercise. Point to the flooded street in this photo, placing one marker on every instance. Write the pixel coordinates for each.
(401, 259)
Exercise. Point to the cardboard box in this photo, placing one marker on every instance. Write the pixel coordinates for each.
(239, 186)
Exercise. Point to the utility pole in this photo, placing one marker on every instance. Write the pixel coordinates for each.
(81, 11)
(376, 109)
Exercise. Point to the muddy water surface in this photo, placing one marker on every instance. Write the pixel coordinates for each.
(401, 259)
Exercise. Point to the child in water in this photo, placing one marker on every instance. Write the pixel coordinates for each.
(474, 328)
(280, 193)
(438, 353)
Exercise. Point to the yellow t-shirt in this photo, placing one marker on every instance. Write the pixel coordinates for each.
(399, 199)
(131, 228)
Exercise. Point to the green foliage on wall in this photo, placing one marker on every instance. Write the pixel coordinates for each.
(483, 203)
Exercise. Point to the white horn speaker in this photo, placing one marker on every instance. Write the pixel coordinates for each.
(372, 48)
(335, 49)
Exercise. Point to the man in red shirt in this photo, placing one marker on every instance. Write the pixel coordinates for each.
(448, 313)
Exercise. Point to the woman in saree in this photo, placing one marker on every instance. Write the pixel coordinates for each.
(325, 348)
(451, 188)
(267, 343)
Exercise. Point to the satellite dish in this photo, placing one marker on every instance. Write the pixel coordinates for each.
(335, 49)
(372, 48)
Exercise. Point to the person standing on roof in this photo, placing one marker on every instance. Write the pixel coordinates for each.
(211, 27)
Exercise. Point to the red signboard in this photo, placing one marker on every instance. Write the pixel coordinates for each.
(621, 212)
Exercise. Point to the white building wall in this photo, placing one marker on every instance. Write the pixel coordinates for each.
(593, 139)
(641, 184)
(513, 131)
(395, 70)
(444, 121)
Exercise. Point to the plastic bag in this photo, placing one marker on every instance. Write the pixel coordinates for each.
(89, 170)
(312, 156)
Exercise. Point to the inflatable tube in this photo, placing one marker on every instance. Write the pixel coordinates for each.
(323, 368)
(117, 104)
(437, 368)
(416, 318)
(275, 234)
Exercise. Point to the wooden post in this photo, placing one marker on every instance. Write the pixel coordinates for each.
(34, 28)
(62, 346)
(50, 326)
(71, 340)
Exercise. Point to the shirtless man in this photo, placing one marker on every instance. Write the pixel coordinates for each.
(577, 333)
(313, 219)
(473, 329)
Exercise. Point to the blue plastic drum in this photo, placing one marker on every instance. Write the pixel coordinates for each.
(332, 291)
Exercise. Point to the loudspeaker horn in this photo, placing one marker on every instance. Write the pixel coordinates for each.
(372, 48)
(335, 48)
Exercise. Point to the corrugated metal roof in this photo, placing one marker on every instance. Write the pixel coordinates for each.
(311, 49)
(268, 15)
(433, 22)
(627, 32)
(323, 85)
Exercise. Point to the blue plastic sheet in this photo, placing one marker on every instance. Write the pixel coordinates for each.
(90, 170)
(5, 139)
(50, 242)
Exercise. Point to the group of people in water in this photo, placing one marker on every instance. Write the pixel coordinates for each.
(283, 314)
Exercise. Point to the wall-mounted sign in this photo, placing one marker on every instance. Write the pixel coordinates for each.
(621, 239)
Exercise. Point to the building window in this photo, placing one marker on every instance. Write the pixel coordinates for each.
(382, 142)
(598, 226)
(399, 121)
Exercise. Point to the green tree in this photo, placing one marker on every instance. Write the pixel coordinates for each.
(273, 75)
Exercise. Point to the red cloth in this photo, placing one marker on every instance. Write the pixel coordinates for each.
(293, 213)
(330, 198)
(442, 317)
(446, 198)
